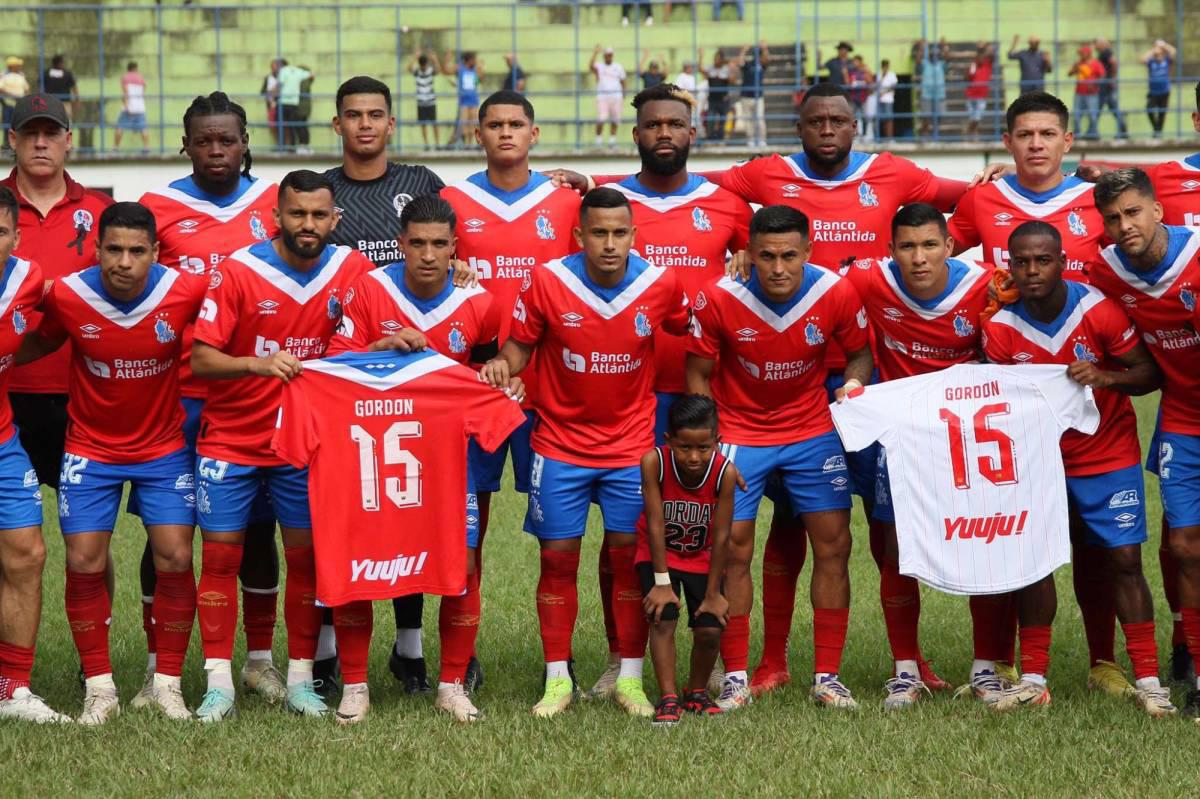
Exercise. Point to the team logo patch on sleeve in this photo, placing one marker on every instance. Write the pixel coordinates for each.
(19, 322)
(163, 332)
(866, 196)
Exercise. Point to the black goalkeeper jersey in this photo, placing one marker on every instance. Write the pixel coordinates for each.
(370, 209)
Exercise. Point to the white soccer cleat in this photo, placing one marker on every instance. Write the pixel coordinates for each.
(1023, 694)
(606, 686)
(903, 692)
(25, 705)
(453, 699)
(262, 678)
(100, 704)
(829, 691)
(356, 701)
(734, 694)
(217, 705)
(145, 697)
(1155, 701)
(167, 697)
(986, 686)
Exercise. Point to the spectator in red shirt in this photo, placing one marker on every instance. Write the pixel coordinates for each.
(979, 87)
(1088, 73)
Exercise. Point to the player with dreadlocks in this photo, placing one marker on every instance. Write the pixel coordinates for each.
(203, 217)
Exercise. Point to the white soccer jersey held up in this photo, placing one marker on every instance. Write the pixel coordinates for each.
(975, 468)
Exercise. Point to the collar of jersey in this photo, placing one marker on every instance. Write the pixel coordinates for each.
(1075, 293)
(1159, 280)
(692, 183)
(633, 270)
(1193, 161)
(1177, 239)
(265, 252)
(188, 186)
(395, 275)
(1039, 197)
(855, 165)
(811, 275)
(381, 370)
(958, 271)
(10, 267)
(480, 179)
(91, 276)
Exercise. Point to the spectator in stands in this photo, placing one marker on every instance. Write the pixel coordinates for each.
(467, 76)
(885, 90)
(720, 78)
(752, 63)
(691, 81)
(933, 86)
(740, 5)
(979, 87)
(861, 93)
(424, 68)
(1108, 85)
(647, 12)
(60, 82)
(610, 92)
(514, 78)
(13, 86)
(295, 132)
(270, 94)
(133, 107)
(1035, 64)
(1158, 60)
(839, 67)
(1088, 72)
(652, 73)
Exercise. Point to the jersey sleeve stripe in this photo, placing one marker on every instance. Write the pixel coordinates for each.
(16, 278)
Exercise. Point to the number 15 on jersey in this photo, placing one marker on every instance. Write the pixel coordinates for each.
(404, 489)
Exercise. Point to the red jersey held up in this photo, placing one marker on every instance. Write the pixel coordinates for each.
(1177, 187)
(688, 513)
(256, 306)
(596, 349)
(384, 435)
(1090, 328)
(692, 231)
(770, 386)
(21, 289)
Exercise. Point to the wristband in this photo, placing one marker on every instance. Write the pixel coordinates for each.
(852, 384)
(662, 578)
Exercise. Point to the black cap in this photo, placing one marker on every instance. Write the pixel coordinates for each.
(39, 106)
(845, 46)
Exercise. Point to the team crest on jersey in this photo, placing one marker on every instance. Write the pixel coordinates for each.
(19, 322)
(1003, 219)
(83, 220)
(813, 335)
(1188, 299)
(399, 201)
(163, 332)
(458, 342)
(641, 324)
(1083, 352)
(866, 196)
(701, 302)
(545, 230)
(257, 229)
(963, 327)
(333, 308)
(700, 220)
(1076, 224)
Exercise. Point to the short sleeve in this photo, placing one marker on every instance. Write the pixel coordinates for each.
(920, 185)
(962, 222)
(51, 326)
(295, 439)
(529, 311)
(1073, 404)
(705, 340)
(994, 344)
(677, 320)
(739, 239)
(489, 323)
(864, 419)
(490, 415)
(1118, 334)
(218, 318)
(850, 327)
(742, 179)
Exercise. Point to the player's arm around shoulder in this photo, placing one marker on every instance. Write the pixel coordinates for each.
(50, 335)
(662, 594)
(963, 226)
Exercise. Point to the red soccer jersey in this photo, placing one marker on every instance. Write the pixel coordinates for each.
(384, 435)
(21, 289)
(1177, 187)
(596, 349)
(62, 242)
(454, 321)
(989, 213)
(124, 388)
(770, 387)
(914, 337)
(256, 306)
(691, 231)
(196, 231)
(687, 513)
(1162, 303)
(1090, 328)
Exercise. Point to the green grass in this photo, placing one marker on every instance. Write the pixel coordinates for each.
(1082, 745)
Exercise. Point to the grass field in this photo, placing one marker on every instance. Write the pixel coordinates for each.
(1082, 745)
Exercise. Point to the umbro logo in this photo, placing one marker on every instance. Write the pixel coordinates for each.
(188, 226)
(90, 330)
(1129, 299)
(1022, 357)
(746, 333)
(790, 189)
(390, 324)
(474, 225)
(1003, 219)
(572, 319)
(268, 306)
(1190, 184)
(893, 313)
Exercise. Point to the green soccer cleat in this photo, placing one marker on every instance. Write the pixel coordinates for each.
(631, 696)
(217, 705)
(556, 698)
(303, 700)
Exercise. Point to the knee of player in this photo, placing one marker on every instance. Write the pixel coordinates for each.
(1126, 562)
(176, 559)
(79, 559)
(26, 560)
(706, 638)
(836, 548)
(1185, 544)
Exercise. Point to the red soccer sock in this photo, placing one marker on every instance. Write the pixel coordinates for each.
(352, 626)
(557, 602)
(216, 598)
(990, 615)
(1191, 631)
(458, 626)
(148, 624)
(88, 611)
(174, 612)
(604, 569)
(301, 616)
(829, 638)
(735, 643)
(783, 558)
(1097, 604)
(1035, 650)
(900, 597)
(260, 609)
(632, 628)
(1170, 579)
(1142, 649)
(16, 665)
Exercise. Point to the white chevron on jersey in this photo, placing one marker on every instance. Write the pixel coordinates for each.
(280, 280)
(15, 278)
(1164, 284)
(387, 378)
(115, 315)
(606, 310)
(1052, 344)
(1043, 209)
(662, 204)
(951, 300)
(853, 177)
(502, 209)
(778, 323)
(435, 316)
(225, 214)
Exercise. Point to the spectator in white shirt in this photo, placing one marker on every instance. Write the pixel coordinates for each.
(610, 93)
(885, 89)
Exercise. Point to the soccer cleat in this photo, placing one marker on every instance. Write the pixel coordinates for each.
(410, 672)
(473, 681)
(100, 705)
(715, 679)
(166, 695)
(698, 702)
(1181, 668)
(630, 695)
(262, 678)
(903, 691)
(769, 677)
(303, 700)
(930, 677)
(145, 697)
(668, 712)
(734, 694)
(606, 686)
(356, 701)
(556, 698)
(1107, 676)
(327, 673)
(830, 692)
(217, 705)
(453, 699)
(1007, 672)
(25, 705)
(984, 686)
(1023, 693)
(1191, 706)
(1155, 701)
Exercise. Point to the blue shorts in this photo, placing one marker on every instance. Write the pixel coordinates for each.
(472, 512)
(226, 493)
(882, 510)
(134, 122)
(1152, 450)
(863, 463)
(560, 494)
(662, 409)
(1179, 478)
(89, 491)
(20, 493)
(488, 467)
(468, 100)
(1112, 506)
(813, 473)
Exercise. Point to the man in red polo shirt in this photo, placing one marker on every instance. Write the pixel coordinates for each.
(57, 221)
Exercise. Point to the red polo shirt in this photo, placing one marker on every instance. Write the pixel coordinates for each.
(63, 241)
